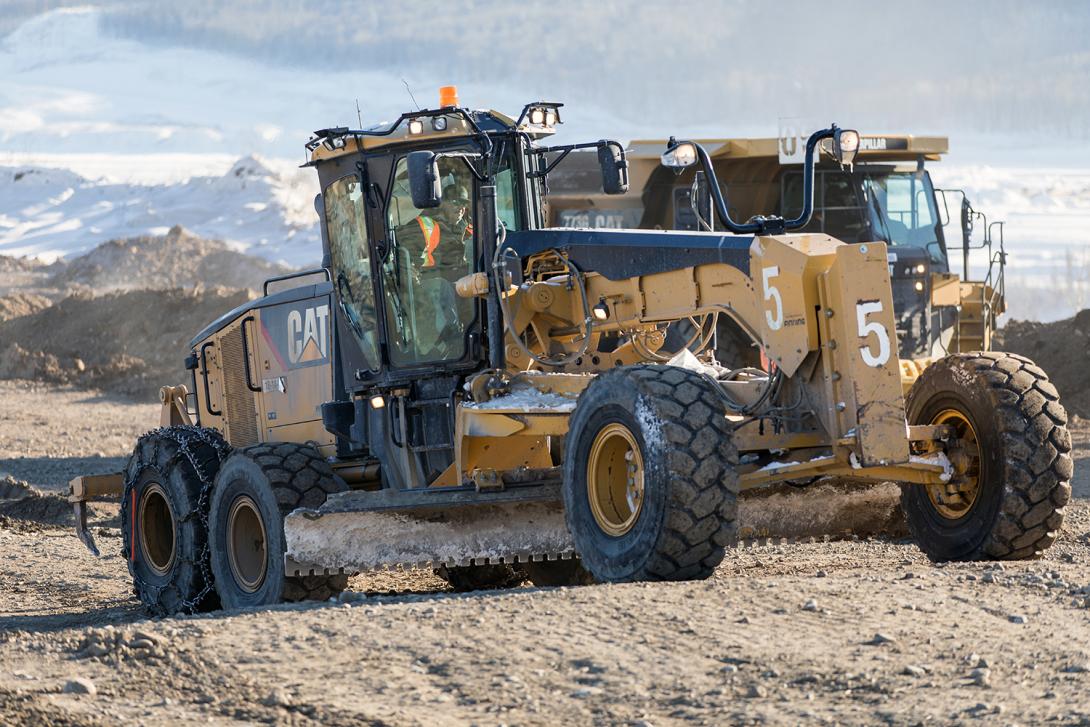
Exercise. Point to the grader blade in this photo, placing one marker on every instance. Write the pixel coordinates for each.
(358, 531)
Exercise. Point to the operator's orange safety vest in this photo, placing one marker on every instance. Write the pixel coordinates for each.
(430, 230)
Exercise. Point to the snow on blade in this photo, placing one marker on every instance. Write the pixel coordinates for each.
(375, 540)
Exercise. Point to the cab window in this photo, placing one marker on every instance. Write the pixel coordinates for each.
(346, 225)
(429, 250)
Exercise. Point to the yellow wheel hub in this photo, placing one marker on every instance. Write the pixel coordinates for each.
(156, 526)
(955, 498)
(615, 476)
(246, 544)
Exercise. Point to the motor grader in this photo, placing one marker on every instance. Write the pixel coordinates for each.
(461, 389)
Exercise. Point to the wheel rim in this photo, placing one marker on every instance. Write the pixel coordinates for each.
(156, 521)
(247, 550)
(954, 499)
(615, 479)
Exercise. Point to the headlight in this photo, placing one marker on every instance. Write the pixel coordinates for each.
(439, 123)
(537, 117)
(919, 286)
(680, 155)
(416, 126)
(845, 146)
(921, 269)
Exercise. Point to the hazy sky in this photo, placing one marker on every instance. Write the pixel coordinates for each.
(925, 66)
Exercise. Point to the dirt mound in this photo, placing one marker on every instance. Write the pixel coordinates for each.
(129, 343)
(21, 304)
(1060, 348)
(178, 259)
(20, 501)
(13, 489)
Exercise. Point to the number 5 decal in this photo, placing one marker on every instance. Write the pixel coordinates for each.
(775, 322)
(862, 310)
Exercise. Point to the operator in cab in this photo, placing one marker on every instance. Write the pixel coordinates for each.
(439, 247)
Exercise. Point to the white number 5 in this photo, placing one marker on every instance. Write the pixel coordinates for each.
(862, 310)
(775, 322)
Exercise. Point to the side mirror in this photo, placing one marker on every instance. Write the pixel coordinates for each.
(614, 166)
(679, 156)
(424, 183)
(845, 146)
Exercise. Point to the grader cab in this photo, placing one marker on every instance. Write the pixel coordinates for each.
(464, 390)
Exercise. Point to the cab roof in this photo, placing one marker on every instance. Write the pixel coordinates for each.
(417, 127)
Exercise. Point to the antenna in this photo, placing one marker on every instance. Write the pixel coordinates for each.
(410, 93)
(359, 115)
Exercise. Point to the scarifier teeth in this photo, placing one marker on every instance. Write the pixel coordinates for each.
(292, 568)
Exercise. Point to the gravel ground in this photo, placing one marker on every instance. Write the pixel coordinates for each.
(843, 632)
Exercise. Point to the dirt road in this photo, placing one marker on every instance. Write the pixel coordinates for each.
(846, 632)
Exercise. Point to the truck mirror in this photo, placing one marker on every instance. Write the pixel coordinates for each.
(424, 183)
(614, 166)
(679, 156)
(845, 146)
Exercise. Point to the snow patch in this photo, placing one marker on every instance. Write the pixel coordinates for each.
(938, 458)
(528, 399)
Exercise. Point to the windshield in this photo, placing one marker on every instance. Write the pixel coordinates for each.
(902, 207)
(871, 203)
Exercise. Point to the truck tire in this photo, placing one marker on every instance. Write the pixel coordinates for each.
(164, 518)
(255, 489)
(734, 349)
(650, 490)
(1011, 459)
(733, 346)
(555, 573)
(481, 577)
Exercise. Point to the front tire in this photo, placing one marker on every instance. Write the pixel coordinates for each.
(1010, 455)
(255, 490)
(650, 490)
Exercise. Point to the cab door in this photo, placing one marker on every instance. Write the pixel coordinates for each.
(293, 342)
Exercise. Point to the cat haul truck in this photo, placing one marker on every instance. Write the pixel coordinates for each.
(459, 387)
(887, 194)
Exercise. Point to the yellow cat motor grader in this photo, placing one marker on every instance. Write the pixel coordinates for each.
(467, 391)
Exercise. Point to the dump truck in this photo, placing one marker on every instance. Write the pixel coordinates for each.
(458, 387)
(887, 194)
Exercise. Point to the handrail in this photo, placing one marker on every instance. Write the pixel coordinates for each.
(995, 276)
(297, 274)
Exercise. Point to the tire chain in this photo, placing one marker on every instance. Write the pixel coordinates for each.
(184, 436)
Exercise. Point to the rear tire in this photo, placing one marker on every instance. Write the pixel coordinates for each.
(650, 490)
(556, 573)
(1023, 468)
(255, 490)
(481, 577)
(164, 518)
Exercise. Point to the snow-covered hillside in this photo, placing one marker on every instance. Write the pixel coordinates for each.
(262, 207)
